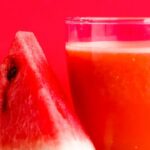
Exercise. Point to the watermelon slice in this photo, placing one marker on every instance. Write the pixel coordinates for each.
(33, 115)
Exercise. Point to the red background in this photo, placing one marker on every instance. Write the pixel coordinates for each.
(46, 19)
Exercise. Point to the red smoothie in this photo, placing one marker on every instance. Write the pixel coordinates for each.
(110, 84)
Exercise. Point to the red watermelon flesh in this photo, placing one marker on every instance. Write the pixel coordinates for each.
(33, 115)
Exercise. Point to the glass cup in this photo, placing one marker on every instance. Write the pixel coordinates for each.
(109, 71)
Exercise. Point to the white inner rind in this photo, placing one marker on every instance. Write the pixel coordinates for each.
(110, 46)
(65, 144)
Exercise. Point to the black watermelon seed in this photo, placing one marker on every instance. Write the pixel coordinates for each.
(12, 72)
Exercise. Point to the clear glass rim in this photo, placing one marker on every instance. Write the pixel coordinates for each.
(107, 20)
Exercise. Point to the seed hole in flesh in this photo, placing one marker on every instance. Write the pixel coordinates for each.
(4, 104)
(11, 74)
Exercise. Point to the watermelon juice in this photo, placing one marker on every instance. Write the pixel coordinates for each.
(110, 84)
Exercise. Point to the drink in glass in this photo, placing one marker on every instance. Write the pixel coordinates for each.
(109, 71)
